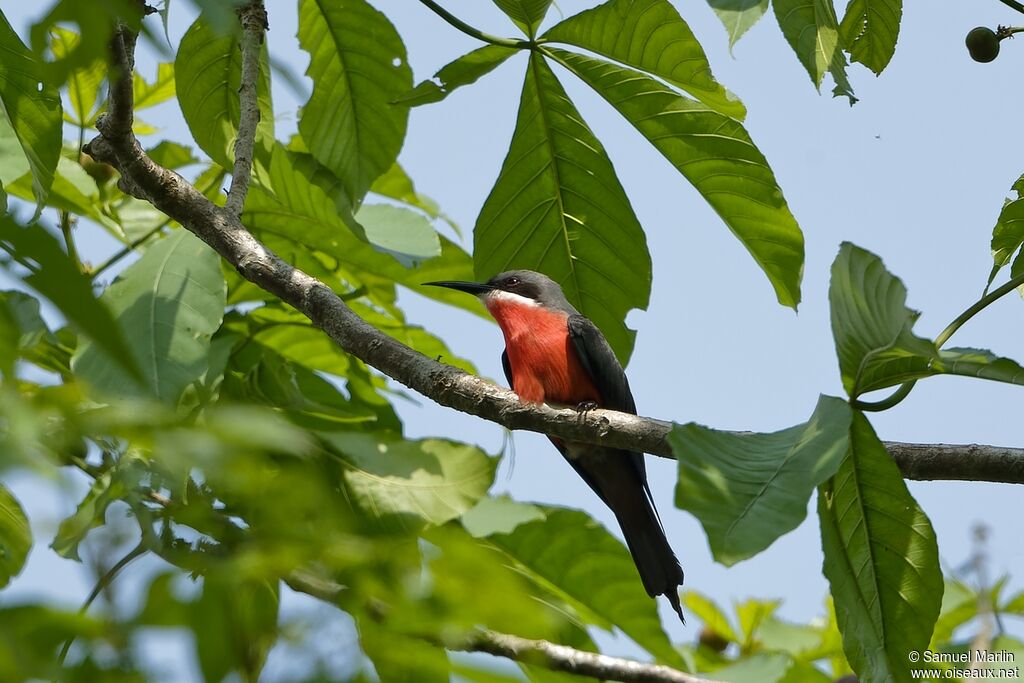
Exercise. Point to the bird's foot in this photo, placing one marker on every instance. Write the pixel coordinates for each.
(585, 407)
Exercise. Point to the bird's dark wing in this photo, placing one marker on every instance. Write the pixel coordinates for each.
(600, 362)
(507, 368)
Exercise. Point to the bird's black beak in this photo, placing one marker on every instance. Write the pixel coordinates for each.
(475, 288)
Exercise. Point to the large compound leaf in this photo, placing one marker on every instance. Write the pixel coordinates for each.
(738, 15)
(465, 70)
(749, 489)
(15, 536)
(207, 74)
(429, 481)
(32, 108)
(557, 207)
(169, 303)
(651, 36)
(812, 30)
(872, 325)
(576, 558)
(715, 153)
(358, 66)
(869, 31)
(881, 560)
(527, 14)
(60, 281)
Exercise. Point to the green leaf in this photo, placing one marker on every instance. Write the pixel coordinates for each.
(172, 155)
(465, 70)
(15, 536)
(526, 14)
(358, 66)
(558, 207)
(31, 635)
(717, 156)
(430, 480)
(73, 190)
(978, 363)
(499, 515)
(738, 16)
(160, 90)
(767, 668)
(235, 623)
(169, 303)
(872, 325)
(83, 84)
(812, 30)
(711, 614)
(60, 281)
(31, 107)
(1008, 234)
(869, 31)
(576, 558)
(114, 484)
(406, 235)
(881, 560)
(959, 605)
(207, 75)
(396, 184)
(651, 36)
(747, 490)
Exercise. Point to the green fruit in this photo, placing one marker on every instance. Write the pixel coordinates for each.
(983, 44)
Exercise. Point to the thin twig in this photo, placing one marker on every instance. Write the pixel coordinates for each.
(253, 17)
(448, 386)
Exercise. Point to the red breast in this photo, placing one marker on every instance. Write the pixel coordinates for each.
(545, 367)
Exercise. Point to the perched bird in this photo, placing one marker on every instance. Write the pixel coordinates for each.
(554, 354)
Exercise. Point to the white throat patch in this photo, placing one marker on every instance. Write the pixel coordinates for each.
(498, 295)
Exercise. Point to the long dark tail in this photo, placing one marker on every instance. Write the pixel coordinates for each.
(659, 569)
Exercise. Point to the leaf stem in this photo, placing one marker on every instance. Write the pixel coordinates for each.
(101, 584)
(475, 32)
(69, 239)
(977, 307)
(129, 248)
(1014, 4)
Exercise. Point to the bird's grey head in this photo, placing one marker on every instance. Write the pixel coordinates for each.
(525, 286)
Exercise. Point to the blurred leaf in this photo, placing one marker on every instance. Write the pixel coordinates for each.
(580, 562)
(235, 622)
(499, 515)
(15, 536)
(711, 614)
(83, 83)
(358, 66)
(30, 636)
(160, 90)
(73, 190)
(812, 30)
(430, 480)
(558, 207)
(401, 233)
(751, 614)
(775, 634)
(765, 668)
(1008, 233)
(60, 281)
(869, 31)
(717, 156)
(169, 303)
(651, 36)
(402, 659)
(747, 490)
(172, 155)
(31, 107)
(396, 184)
(413, 336)
(872, 325)
(526, 14)
(465, 70)
(207, 73)
(881, 560)
(738, 16)
(114, 484)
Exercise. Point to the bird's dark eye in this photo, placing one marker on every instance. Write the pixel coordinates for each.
(512, 282)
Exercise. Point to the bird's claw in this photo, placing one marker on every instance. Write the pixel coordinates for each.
(585, 407)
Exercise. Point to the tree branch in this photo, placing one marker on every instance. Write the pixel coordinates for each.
(448, 386)
(253, 17)
(537, 652)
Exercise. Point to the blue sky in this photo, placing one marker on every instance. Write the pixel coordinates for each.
(915, 172)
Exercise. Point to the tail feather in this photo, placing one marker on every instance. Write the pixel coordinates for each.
(659, 569)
